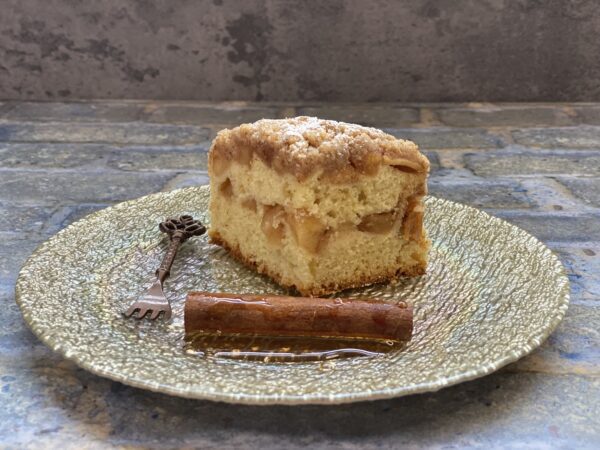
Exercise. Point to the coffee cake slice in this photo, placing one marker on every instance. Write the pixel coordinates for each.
(319, 205)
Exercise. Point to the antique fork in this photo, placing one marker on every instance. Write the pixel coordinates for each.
(154, 300)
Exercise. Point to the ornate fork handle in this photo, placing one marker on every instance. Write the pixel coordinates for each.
(165, 266)
(179, 231)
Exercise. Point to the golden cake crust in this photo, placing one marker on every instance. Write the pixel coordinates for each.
(302, 146)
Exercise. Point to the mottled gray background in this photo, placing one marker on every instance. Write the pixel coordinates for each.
(335, 50)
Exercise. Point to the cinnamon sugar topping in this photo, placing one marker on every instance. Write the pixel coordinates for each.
(305, 145)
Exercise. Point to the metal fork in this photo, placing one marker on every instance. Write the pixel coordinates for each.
(154, 300)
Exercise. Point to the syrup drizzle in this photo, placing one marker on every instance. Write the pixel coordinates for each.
(284, 349)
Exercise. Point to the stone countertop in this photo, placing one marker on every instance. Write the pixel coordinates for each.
(535, 165)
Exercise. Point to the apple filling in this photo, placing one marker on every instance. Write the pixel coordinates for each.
(312, 235)
(308, 231)
(380, 223)
(412, 223)
(273, 223)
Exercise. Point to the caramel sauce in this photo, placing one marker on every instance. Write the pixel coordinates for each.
(285, 348)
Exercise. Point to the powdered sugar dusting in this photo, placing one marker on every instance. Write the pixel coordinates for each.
(306, 134)
(303, 145)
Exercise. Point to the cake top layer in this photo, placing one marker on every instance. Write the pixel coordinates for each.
(305, 145)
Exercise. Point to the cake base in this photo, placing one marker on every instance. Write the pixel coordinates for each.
(315, 291)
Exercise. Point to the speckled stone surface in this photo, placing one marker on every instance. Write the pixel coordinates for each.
(278, 50)
(487, 158)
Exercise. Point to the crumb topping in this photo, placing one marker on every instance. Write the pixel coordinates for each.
(304, 145)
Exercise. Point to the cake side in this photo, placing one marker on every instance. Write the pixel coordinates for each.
(314, 232)
(305, 251)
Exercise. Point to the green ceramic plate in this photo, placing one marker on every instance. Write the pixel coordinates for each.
(492, 294)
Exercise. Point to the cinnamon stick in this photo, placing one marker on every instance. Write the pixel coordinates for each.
(270, 315)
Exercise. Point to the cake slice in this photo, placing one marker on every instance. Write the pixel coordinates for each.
(319, 205)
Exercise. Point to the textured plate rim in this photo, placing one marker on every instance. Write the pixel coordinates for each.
(512, 355)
